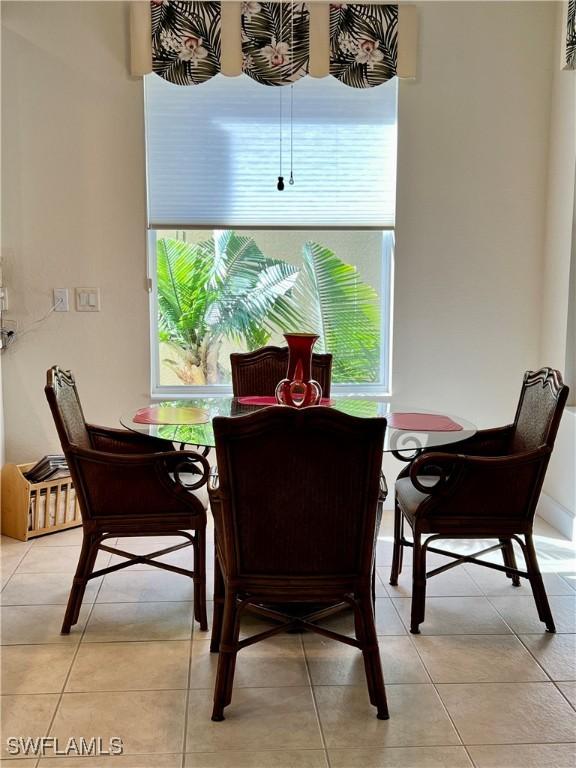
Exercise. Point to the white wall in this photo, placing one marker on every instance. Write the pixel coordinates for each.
(473, 138)
(73, 211)
(558, 504)
(473, 144)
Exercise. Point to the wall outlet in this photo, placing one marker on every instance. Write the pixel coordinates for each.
(60, 302)
(87, 300)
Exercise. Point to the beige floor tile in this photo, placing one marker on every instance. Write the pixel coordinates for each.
(387, 620)
(569, 690)
(293, 758)
(19, 763)
(278, 660)
(384, 548)
(477, 659)
(556, 653)
(32, 624)
(495, 584)
(8, 545)
(130, 666)
(69, 537)
(570, 579)
(455, 616)
(35, 668)
(333, 663)
(454, 583)
(417, 717)
(509, 713)
(8, 564)
(27, 715)
(111, 622)
(56, 560)
(146, 721)
(44, 589)
(117, 761)
(257, 718)
(521, 614)
(400, 757)
(184, 558)
(145, 586)
(525, 756)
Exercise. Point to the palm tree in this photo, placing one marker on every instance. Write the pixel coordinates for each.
(221, 288)
(225, 288)
(332, 301)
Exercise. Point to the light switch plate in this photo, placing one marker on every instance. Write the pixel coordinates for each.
(87, 300)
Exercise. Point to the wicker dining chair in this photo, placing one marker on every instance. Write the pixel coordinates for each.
(258, 372)
(295, 522)
(485, 487)
(128, 485)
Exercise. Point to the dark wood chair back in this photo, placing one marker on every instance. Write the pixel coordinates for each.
(66, 409)
(258, 372)
(542, 400)
(301, 490)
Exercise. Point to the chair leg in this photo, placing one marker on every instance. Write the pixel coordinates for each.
(227, 657)
(88, 554)
(218, 613)
(538, 590)
(510, 560)
(200, 579)
(418, 585)
(366, 635)
(374, 588)
(398, 551)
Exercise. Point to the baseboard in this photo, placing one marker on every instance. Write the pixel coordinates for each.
(557, 515)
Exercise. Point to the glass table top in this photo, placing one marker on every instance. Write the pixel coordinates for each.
(203, 435)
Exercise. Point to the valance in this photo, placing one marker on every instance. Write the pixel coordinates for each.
(275, 43)
(571, 35)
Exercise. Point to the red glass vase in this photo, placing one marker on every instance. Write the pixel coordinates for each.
(298, 389)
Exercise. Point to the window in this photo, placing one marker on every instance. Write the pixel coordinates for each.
(234, 262)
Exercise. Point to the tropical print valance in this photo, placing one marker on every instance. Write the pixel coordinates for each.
(363, 43)
(185, 41)
(275, 41)
(571, 35)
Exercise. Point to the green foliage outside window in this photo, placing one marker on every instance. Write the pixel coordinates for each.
(225, 290)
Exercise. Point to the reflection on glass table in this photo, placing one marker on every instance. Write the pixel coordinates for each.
(409, 440)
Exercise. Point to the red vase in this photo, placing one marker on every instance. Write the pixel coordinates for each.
(298, 389)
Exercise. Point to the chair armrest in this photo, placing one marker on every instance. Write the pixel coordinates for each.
(123, 441)
(449, 466)
(154, 478)
(485, 442)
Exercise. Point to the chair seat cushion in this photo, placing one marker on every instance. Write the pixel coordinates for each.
(410, 498)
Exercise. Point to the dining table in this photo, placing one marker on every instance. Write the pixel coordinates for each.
(188, 422)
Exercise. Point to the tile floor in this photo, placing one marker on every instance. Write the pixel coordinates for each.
(483, 685)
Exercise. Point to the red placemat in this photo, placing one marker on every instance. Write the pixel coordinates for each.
(268, 400)
(423, 422)
(166, 414)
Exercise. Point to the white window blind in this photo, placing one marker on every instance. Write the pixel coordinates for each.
(213, 154)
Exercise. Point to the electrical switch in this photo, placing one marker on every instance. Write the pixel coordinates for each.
(87, 300)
